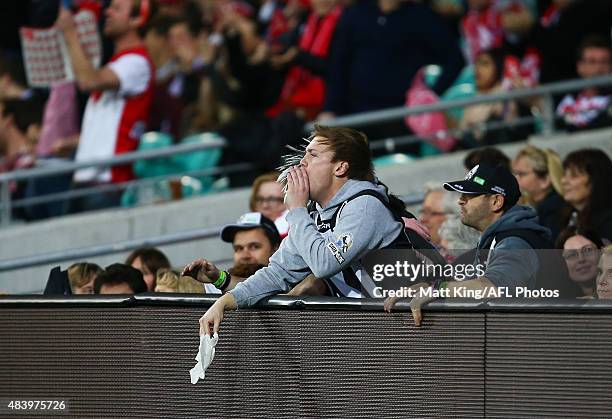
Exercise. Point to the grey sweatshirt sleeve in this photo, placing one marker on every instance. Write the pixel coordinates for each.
(513, 263)
(364, 224)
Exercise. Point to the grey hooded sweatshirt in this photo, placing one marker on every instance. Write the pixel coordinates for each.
(363, 224)
(512, 262)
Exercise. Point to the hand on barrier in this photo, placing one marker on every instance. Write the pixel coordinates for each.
(211, 320)
(202, 270)
(415, 304)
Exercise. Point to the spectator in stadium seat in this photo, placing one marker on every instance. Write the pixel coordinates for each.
(456, 238)
(591, 107)
(510, 234)
(82, 276)
(489, 68)
(268, 198)
(13, 83)
(121, 94)
(489, 155)
(538, 173)
(586, 184)
(377, 50)
(581, 252)
(254, 238)
(336, 166)
(563, 25)
(168, 280)
(119, 278)
(437, 205)
(604, 276)
(149, 261)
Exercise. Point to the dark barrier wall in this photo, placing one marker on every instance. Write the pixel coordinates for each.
(130, 357)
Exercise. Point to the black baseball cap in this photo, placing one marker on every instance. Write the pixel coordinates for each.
(490, 180)
(249, 221)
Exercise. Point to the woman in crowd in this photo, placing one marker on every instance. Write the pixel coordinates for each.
(538, 173)
(604, 276)
(81, 277)
(148, 260)
(581, 252)
(489, 67)
(268, 198)
(587, 183)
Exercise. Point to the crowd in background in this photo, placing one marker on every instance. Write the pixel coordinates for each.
(255, 72)
(570, 197)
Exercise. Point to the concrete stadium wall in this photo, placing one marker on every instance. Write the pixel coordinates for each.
(81, 231)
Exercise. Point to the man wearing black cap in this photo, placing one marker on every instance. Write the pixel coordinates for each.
(510, 233)
(254, 238)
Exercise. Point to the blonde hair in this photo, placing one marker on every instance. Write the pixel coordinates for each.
(544, 163)
(81, 273)
(260, 180)
(181, 284)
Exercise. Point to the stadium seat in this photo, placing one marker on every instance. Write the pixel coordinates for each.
(458, 91)
(392, 159)
(154, 167)
(200, 160)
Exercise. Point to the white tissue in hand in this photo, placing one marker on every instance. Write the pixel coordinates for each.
(205, 355)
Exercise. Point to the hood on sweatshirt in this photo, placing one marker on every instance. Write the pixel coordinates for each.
(518, 217)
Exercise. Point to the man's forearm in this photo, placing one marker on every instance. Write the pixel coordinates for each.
(84, 71)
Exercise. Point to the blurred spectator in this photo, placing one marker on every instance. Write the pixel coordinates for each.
(268, 198)
(121, 95)
(119, 279)
(592, 107)
(20, 124)
(13, 83)
(487, 22)
(456, 238)
(166, 108)
(148, 260)
(586, 186)
(489, 69)
(82, 276)
(563, 25)
(538, 173)
(438, 204)
(378, 48)
(254, 238)
(489, 155)
(303, 92)
(581, 253)
(170, 281)
(604, 276)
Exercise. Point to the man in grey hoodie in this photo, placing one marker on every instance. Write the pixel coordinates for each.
(509, 240)
(331, 242)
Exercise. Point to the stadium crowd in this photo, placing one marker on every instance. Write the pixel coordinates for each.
(255, 72)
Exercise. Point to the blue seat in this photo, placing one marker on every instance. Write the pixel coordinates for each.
(154, 167)
(458, 91)
(199, 160)
(392, 160)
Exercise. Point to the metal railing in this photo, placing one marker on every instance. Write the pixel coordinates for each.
(28, 174)
(545, 91)
(83, 253)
